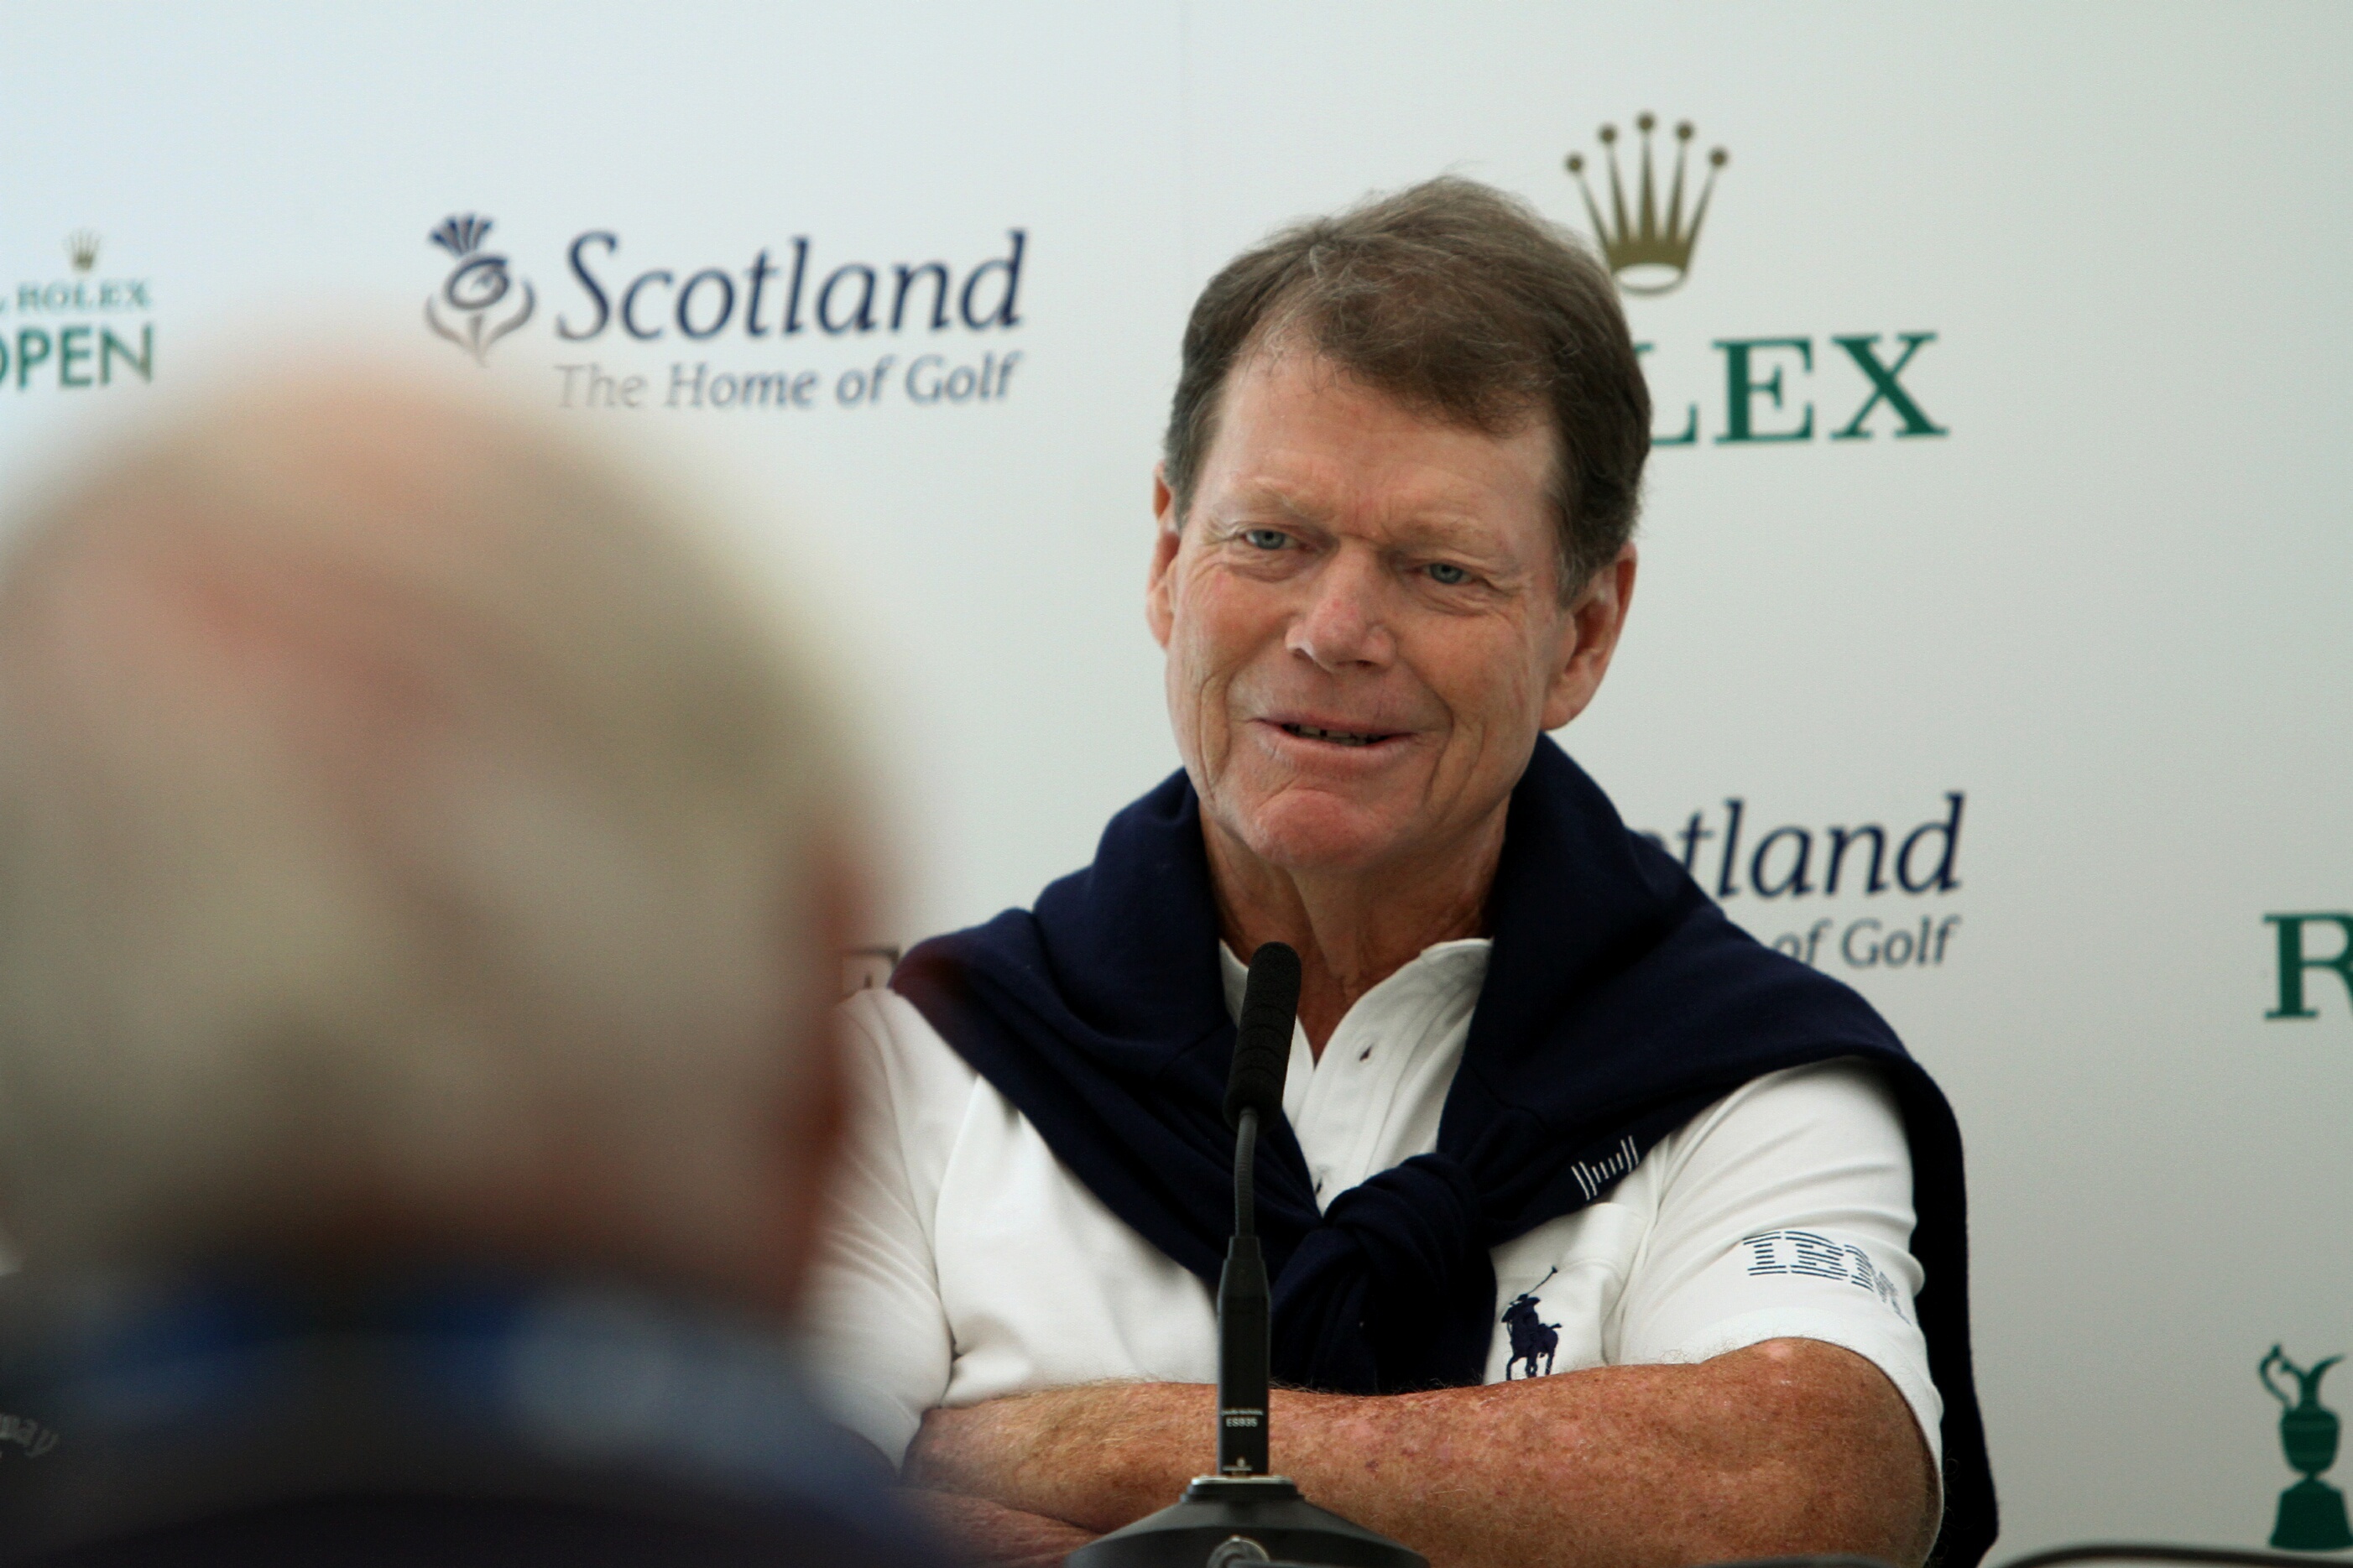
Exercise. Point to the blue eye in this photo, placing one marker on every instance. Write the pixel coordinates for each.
(1265, 538)
(1446, 571)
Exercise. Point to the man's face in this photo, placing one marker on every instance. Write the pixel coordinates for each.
(1364, 623)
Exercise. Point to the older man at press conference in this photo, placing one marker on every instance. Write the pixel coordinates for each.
(1600, 1233)
(420, 865)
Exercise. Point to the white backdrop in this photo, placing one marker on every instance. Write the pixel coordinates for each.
(2106, 607)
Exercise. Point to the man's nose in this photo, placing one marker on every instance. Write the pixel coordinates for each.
(1345, 622)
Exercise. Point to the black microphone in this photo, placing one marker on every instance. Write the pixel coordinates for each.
(1263, 1038)
(1253, 1098)
(1244, 1516)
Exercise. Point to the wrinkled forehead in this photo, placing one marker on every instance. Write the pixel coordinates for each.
(1283, 370)
(1306, 436)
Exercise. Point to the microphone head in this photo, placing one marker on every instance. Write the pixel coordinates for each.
(1263, 1039)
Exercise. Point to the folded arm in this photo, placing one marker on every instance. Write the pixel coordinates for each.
(1791, 1445)
(991, 1534)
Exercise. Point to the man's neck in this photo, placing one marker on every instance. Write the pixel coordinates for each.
(1352, 930)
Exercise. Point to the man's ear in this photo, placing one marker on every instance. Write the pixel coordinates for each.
(1160, 614)
(1589, 637)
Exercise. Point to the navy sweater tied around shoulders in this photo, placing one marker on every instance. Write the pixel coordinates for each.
(1619, 1001)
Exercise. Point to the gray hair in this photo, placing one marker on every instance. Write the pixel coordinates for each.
(394, 809)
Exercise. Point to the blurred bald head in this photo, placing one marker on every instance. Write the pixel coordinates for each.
(409, 837)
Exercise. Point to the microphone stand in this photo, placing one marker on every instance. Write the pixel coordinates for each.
(1245, 1323)
(1244, 1514)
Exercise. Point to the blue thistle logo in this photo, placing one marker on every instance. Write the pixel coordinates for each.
(476, 286)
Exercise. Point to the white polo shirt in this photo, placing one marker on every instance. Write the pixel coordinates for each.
(963, 1262)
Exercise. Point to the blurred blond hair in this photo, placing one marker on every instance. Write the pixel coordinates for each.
(400, 815)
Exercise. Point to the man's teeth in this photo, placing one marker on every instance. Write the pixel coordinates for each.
(1340, 737)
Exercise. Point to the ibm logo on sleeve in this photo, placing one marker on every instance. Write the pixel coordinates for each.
(1802, 1252)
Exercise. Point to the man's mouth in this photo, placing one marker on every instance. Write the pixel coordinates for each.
(1336, 737)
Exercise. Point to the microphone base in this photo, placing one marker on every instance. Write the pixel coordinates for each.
(1266, 1510)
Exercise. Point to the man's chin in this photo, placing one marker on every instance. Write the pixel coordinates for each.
(1318, 835)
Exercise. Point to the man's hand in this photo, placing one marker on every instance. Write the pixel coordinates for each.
(1788, 1446)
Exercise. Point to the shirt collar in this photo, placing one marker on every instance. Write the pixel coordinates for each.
(1459, 965)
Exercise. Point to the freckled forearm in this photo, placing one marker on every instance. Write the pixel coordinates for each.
(993, 1535)
(1766, 1451)
(1099, 1455)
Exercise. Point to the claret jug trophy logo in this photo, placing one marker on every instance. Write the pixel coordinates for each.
(476, 288)
(1648, 252)
(2311, 1512)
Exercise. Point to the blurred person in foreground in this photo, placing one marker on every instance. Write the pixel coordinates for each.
(420, 873)
(1600, 1233)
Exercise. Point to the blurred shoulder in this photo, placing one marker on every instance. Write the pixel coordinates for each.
(895, 1051)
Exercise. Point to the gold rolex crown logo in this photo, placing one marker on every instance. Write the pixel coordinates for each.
(1647, 255)
(81, 247)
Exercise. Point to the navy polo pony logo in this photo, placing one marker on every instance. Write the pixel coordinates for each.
(1530, 1339)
